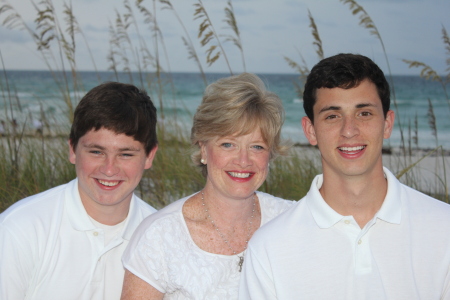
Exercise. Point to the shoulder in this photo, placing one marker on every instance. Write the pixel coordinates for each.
(290, 218)
(166, 219)
(144, 207)
(167, 212)
(40, 206)
(418, 207)
(32, 220)
(422, 205)
(272, 206)
(413, 201)
(159, 232)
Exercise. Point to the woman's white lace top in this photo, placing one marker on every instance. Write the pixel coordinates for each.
(163, 254)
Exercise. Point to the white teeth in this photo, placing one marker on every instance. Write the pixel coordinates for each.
(352, 148)
(108, 183)
(239, 175)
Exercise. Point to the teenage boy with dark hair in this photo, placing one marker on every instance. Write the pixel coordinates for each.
(358, 233)
(67, 242)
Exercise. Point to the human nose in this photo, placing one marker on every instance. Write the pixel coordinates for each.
(349, 128)
(109, 167)
(243, 158)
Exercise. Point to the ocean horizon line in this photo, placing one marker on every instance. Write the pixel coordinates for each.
(184, 72)
(34, 93)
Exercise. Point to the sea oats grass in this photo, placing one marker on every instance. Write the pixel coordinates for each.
(31, 163)
(42, 164)
(207, 33)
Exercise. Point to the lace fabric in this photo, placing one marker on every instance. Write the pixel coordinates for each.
(167, 257)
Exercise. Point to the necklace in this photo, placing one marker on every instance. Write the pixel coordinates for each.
(241, 258)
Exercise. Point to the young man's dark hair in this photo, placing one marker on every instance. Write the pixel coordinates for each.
(119, 107)
(344, 71)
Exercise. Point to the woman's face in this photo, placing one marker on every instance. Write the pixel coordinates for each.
(237, 165)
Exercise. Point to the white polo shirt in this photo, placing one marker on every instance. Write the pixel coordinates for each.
(50, 249)
(312, 252)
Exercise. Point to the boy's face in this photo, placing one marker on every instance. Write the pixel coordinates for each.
(349, 128)
(109, 166)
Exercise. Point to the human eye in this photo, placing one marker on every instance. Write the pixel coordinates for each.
(95, 152)
(226, 145)
(365, 114)
(331, 117)
(258, 147)
(126, 155)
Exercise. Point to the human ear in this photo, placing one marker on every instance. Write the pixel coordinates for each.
(308, 130)
(150, 157)
(389, 124)
(72, 154)
(204, 157)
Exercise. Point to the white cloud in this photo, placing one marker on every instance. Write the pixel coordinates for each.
(269, 29)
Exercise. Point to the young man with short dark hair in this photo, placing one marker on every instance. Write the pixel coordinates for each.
(67, 242)
(358, 233)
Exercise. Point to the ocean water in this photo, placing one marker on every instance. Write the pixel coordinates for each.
(28, 96)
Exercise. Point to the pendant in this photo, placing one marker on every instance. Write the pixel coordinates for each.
(241, 262)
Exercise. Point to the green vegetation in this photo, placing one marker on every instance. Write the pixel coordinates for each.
(38, 164)
(32, 167)
(31, 164)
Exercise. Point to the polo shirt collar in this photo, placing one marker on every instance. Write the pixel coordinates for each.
(322, 213)
(133, 219)
(80, 220)
(75, 209)
(391, 210)
(326, 217)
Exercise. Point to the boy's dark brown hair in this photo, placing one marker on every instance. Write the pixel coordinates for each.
(119, 107)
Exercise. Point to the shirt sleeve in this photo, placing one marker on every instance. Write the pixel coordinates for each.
(446, 290)
(256, 279)
(17, 264)
(145, 257)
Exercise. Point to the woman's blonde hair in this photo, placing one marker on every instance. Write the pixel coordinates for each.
(235, 106)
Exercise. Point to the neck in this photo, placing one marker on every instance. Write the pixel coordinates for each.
(107, 215)
(229, 211)
(357, 196)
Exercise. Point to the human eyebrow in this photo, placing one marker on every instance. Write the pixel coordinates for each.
(363, 105)
(129, 149)
(93, 146)
(225, 139)
(98, 147)
(328, 108)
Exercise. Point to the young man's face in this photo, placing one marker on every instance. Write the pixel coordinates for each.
(349, 128)
(109, 166)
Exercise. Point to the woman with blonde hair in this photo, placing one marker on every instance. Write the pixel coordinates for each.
(194, 248)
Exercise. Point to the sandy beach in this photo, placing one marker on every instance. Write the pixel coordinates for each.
(430, 174)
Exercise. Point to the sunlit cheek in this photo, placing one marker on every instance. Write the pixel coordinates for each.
(264, 164)
(130, 167)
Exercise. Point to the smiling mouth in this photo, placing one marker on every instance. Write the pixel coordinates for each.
(108, 183)
(351, 150)
(239, 175)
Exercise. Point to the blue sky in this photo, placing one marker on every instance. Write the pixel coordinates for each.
(410, 29)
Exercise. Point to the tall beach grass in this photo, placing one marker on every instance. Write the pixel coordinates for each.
(31, 162)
